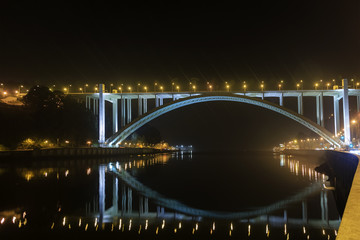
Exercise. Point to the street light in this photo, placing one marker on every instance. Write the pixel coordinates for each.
(81, 89)
(244, 87)
(21, 86)
(172, 86)
(194, 87)
(161, 88)
(120, 89)
(129, 89)
(155, 84)
(280, 86)
(297, 86)
(178, 88)
(137, 87)
(65, 90)
(262, 87)
(316, 85)
(86, 85)
(357, 85)
(145, 88)
(111, 85)
(210, 87)
(228, 87)
(327, 86)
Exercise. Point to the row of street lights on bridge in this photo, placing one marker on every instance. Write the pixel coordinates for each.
(86, 88)
(209, 87)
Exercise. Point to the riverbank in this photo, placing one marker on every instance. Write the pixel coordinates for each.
(305, 152)
(76, 152)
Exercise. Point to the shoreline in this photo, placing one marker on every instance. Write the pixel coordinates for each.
(76, 153)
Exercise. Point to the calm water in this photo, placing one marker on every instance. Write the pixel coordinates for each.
(247, 195)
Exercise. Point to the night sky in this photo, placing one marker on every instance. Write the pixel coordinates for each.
(71, 43)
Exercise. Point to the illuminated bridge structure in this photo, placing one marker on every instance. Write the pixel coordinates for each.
(175, 100)
(177, 210)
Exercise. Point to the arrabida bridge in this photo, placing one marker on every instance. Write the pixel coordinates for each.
(175, 100)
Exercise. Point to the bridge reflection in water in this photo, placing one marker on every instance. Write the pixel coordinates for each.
(132, 206)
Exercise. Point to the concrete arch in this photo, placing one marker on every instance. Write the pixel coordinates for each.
(142, 120)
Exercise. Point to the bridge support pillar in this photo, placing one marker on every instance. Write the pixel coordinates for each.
(145, 105)
(101, 193)
(140, 110)
(336, 116)
(281, 99)
(94, 106)
(129, 202)
(115, 115)
(157, 102)
(101, 114)
(304, 212)
(161, 101)
(141, 205)
(123, 199)
(146, 205)
(320, 110)
(300, 104)
(123, 112)
(347, 135)
(128, 110)
(87, 102)
(115, 195)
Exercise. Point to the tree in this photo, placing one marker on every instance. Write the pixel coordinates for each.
(39, 98)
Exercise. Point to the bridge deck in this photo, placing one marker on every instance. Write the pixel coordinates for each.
(349, 226)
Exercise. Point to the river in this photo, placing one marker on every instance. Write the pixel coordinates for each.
(240, 195)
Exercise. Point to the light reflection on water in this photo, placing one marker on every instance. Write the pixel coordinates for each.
(86, 218)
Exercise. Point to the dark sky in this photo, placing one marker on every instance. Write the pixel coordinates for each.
(72, 43)
(76, 43)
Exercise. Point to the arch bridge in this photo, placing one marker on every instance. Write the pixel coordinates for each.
(125, 125)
